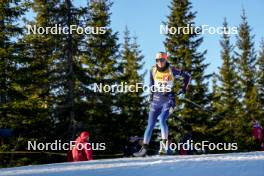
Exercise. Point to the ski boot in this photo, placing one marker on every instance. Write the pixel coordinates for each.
(142, 152)
(163, 150)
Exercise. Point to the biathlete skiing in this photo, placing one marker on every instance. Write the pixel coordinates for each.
(162, 76)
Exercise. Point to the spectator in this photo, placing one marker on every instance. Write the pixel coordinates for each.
(132, 146)
(82, 150)
(257, 131)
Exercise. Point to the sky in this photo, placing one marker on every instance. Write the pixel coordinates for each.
(144, 17)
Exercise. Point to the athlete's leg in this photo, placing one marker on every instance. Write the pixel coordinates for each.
(163, 121)
(154, 112)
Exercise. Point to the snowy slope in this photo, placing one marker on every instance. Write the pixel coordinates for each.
(242, 164)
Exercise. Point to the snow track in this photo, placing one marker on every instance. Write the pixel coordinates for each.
(242, 164)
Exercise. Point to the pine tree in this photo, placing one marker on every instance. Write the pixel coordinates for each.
(184, 54)
(39, 52)
(213, 121)
(228, 105)
(55, 66)
(102, 66)
(216, 95)
(13, 109)
(69, 101)
(133, 104)
(260, 78)
(246, 59)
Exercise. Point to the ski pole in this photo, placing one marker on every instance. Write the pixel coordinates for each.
(180, 119)
(199, 106)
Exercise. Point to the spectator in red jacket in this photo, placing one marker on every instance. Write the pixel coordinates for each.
(82, 150)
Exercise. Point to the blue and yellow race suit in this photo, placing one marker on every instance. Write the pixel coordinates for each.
(162, 101)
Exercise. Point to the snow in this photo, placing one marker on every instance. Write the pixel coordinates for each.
(242, 164)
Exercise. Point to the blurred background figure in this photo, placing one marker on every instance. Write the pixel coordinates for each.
(82, 150)
(132, 146)
(187, 137)
(257, 133)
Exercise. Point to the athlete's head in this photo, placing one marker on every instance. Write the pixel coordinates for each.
(84, 136)
(161, 59)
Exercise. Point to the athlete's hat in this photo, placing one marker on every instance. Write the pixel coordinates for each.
(161, 55)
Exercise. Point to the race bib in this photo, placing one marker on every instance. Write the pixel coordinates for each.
(163, 81)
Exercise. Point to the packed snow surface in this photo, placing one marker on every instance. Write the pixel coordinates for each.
(234, 164)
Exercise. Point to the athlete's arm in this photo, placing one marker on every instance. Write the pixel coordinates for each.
(151, 84)
(185, 75)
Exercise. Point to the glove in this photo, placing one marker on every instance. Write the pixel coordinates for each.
(172, 110)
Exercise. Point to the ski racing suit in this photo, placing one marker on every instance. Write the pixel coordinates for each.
(161, 102)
